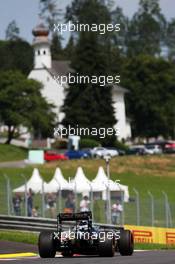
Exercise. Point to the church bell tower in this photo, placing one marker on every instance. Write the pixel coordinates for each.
(41, 44)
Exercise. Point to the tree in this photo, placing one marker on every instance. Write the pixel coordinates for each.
(49, 12)
(21, 103)
(151, 100)
(170, 39)
(16, 55)
(69, 50)
(90, 105)
(120, 37)
(119, 40)
(146, 29)
(56, 47)
(52, 15)
(12, 31)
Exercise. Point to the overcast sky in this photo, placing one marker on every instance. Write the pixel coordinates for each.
(25, 12)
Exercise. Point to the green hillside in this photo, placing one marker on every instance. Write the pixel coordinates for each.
(11, 153)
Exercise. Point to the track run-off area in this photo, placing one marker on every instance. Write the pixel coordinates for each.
(13, 252)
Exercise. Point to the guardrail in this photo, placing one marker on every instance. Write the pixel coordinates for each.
(36, 224)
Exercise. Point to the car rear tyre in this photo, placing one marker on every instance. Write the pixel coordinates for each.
(107, 247)
(126, 243)
(46, 245)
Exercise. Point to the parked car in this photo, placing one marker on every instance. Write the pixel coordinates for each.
(169, 147)
(153, 149)
(51, 156)
(112, 152)
(117, 152)
(78, 154)
(101, 152)
(137, 150)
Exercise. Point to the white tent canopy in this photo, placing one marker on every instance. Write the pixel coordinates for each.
(101, 182)
(35, 183)
(58, 182)
(98, 184)
(80, 183)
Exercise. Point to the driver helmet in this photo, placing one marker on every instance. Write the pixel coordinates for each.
(83, 226)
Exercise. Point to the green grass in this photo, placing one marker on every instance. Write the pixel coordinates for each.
(153, 173)
(153, 247)
(18, 236)
(32, 238)
(11, 153)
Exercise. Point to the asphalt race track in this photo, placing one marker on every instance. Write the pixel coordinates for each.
(139, 257)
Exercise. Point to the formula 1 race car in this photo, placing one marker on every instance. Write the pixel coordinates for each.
(84, 238)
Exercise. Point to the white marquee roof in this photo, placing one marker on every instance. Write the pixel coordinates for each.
(58, 182)
(80, 183)
(35, 183)
(101, 182)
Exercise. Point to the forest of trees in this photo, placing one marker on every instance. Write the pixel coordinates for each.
(143, 52)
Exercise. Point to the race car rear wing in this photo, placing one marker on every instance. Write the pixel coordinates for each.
(74, 216)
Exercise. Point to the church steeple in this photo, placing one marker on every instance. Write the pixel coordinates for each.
(42, 55)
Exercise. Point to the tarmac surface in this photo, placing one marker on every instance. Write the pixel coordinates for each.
(139, 257)
(13, 164)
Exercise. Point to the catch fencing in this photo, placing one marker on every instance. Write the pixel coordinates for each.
(142, 209)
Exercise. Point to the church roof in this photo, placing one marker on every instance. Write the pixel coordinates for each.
(60, 67)
(40, 30)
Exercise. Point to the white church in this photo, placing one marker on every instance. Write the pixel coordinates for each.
(45, 69)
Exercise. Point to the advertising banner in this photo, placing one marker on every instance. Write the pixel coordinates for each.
(153, 235)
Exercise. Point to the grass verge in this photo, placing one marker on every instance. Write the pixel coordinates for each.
(18, 236)
(153, 247)
(12, 153)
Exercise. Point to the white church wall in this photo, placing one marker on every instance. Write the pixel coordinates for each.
(120, 114)
(128, 129)
(52, 91)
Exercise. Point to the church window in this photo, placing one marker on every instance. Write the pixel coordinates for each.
(38, 52)
(44, 52)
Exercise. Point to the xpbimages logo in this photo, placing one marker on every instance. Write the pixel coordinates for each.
(101, 132)
(101, 236)
(79, 27)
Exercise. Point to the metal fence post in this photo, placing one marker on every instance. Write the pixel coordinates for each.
(152, 208)
(123, 206)
(91, 198)
(166, 209)
(137, 205)
(168, 216)
(8, 193)
(122, 201)
(25, 180)
(76, 202)
(43, 199)
(109, 217)
(60, 199)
